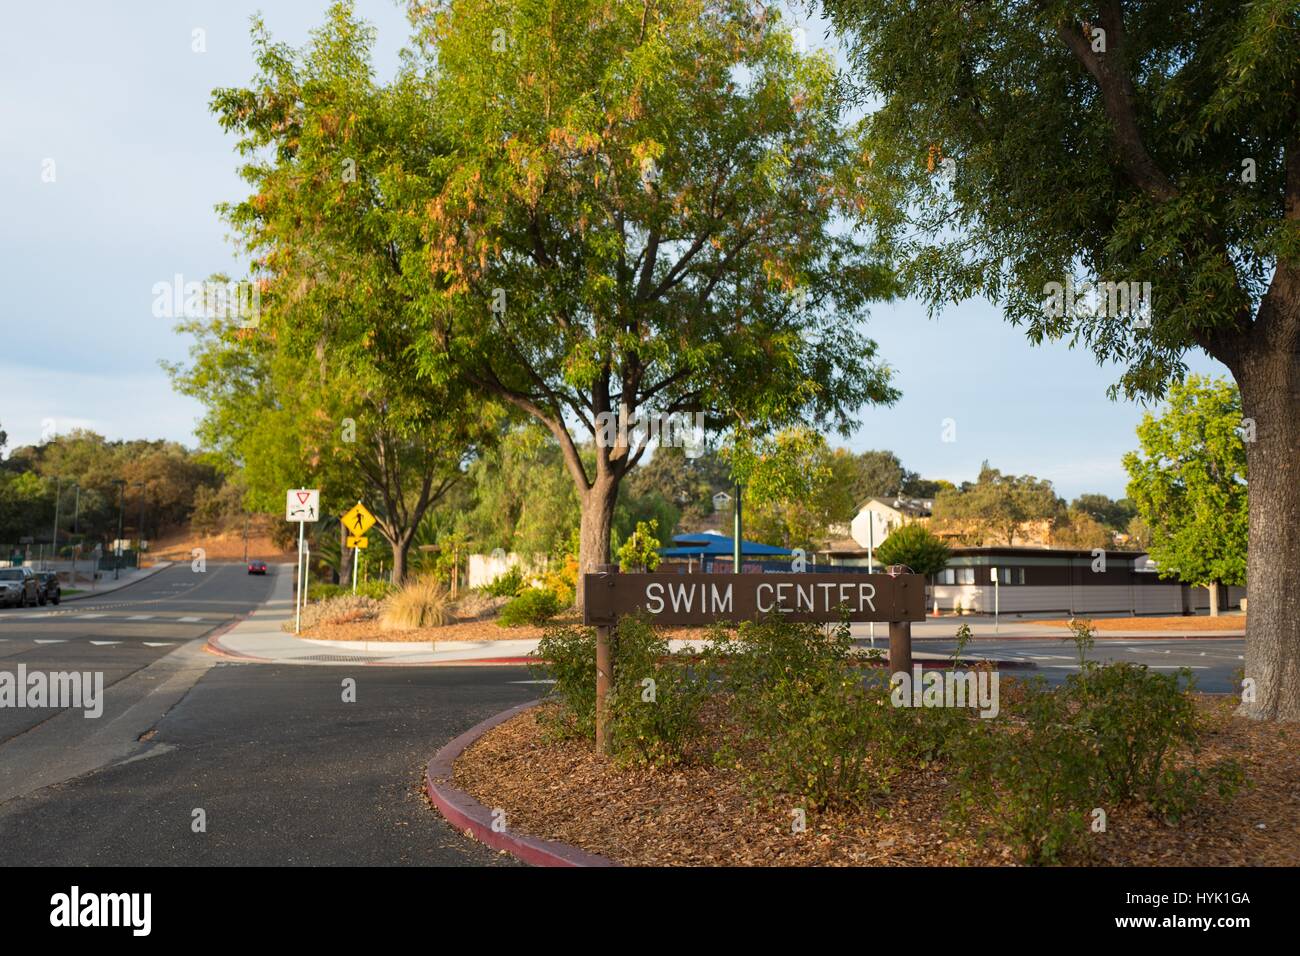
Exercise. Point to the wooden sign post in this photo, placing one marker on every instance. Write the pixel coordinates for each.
(701, 598)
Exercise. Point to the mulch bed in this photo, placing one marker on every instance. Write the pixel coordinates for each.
(699, 815)
(1230, 622)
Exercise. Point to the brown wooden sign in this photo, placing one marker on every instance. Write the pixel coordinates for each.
(708, 598)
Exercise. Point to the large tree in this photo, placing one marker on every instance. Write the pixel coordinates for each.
(1020, 145)
(337, 162)
(1189, 483)
(995, 505)
(639, 215)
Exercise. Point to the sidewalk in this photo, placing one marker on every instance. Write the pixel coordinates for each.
(260, 638)
(106, 584)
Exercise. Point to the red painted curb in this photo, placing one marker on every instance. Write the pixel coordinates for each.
(475, 820)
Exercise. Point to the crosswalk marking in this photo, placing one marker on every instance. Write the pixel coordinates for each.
(103, 643)
(189, 620)
(87, 617)
(152, 644)
(141, 617)
(58, 641)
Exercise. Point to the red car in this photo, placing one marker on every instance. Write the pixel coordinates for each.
(256, 567)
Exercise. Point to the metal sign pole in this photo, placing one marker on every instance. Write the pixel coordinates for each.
(297, 598)
(356, 558)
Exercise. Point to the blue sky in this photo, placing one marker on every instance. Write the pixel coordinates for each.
(117, 98)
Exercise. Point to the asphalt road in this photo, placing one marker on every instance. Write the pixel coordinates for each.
(283, 770)
(1214, 662)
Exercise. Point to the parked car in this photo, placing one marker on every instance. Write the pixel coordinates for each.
(256, 567)
(51, 589)
(19, 588)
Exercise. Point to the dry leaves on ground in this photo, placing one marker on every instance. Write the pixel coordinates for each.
(700, 815)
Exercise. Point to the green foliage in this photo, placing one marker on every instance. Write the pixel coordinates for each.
(1189, 483)
(1153, 157)
(375, 590)
(795, 486)
(640, 551)
(1031, 786)
(915, 546)
(995, 506)
(531, 606)
(656, 699)
(638, 210)
(807, 724)
(506, 585)
(1080, 530)
(1112, 514)
(567, 655)
(1136, 718)
(321, 390)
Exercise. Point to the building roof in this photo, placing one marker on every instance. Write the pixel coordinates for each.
(694, 545)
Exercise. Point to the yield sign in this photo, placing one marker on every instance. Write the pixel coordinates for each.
(358, 520)
(302, 504)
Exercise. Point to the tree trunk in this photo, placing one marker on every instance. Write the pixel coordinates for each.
(1269, 379)
(400, 549)
(1213, 588)
(597, 519)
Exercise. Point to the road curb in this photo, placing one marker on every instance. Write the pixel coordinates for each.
(475, 820)
(113, 590)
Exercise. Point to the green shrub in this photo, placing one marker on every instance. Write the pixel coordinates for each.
(808, 723)
(533, 606)
(1032, 785)
(1138, 720)
(655, 702)
(650, 724)
(567, 655)
(375, 590)
(507, 585)
(323, 592)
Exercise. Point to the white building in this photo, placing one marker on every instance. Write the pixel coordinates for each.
(877, 517)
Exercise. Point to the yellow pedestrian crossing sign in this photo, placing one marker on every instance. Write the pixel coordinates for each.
(358, 542)
(358, 521)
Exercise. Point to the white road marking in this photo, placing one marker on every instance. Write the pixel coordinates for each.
(141, 617)
(164, 644)
(532, 682)
(103, 643)
(87, 617)
(189, 620)
(58, 641)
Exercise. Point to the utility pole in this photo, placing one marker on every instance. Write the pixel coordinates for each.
(54, 543)
(117, 545)
(139, 548)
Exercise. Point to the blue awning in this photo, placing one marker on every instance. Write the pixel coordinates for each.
(708, 543)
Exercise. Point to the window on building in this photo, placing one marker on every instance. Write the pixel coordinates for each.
(965, 575)
(1011, 575)
(946, 576)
